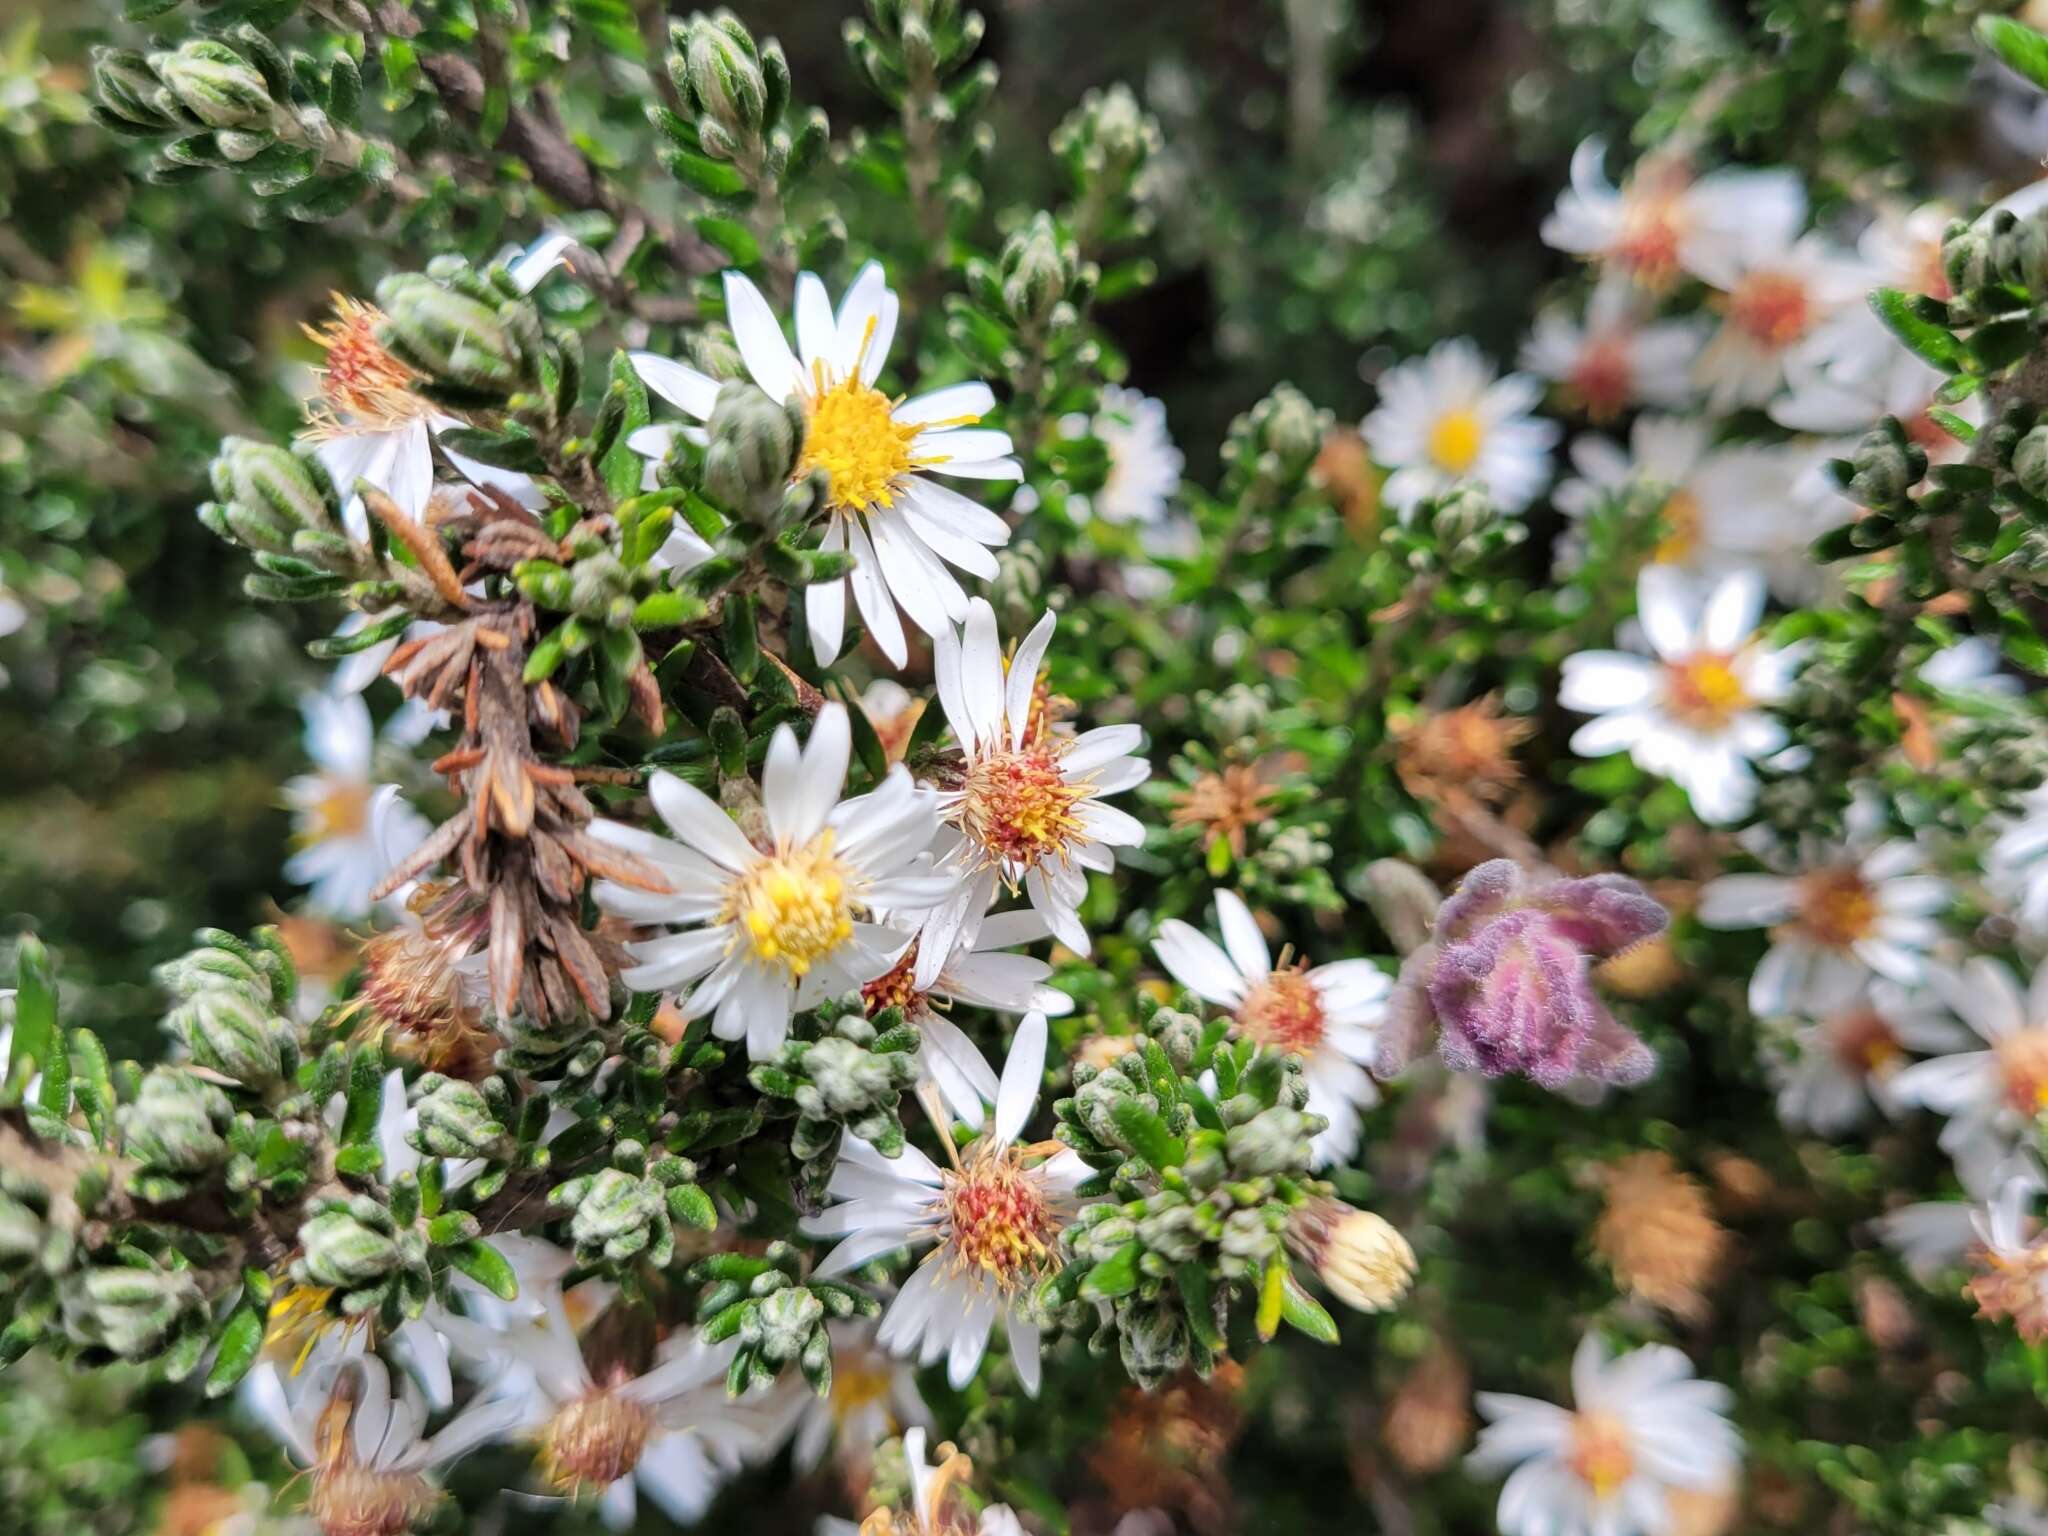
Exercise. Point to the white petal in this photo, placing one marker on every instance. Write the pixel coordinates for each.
(758, 334)
(1241, 937)
(1023, 1070)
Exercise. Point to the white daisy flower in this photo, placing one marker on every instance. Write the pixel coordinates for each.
(873, 1396)
(1445, 419)
(1930, 1236)
(1641, 1426)
(1027, 807)
(670, 1433)
(368, 424)
(1615, 359)
(1720, 503)
(1847, 1059)
(1785, 306)
(1144, 466)
(930, 1486)
(1853, 913)
(993, 1221)
(774, 929)
(1695, 713)
(2016, 865)
(369, 1462)
(1663, 220)
(983, 973)
(878, 455)
(350, 830)
(1329, 1016)
(1971, 667)
(1993, 1088)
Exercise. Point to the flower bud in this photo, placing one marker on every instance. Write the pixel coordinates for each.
(129, 89)
(455, 1120)
(781, 1325)
(1237, 713)
(1885, 466)
(227, 1033)
(448, 336)
(215, 84)
(1966, 258)
(846, 1079)
(1153, 1341)
(175, 1122)
(2030, 461)
(1273, 1141)
(754, 446)
(722, 73)
(615, 1215)
(1366, 1264)
(131, 1311)
(1108, 133)
(265, 495)
(342, 1251)
(1036, 271)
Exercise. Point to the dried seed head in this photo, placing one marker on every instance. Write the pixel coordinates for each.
(1658, 1234)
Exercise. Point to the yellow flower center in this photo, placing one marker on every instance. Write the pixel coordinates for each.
(299, 1319)
(1284, 1012)
(793, 908)
(1001, 1226)
(1601, 1454)
(1455, 440)
(1771, 308)
(860, 1379)
(1019, 808)
(1864, 1043)
(1836, 907)
(894, 988)
(2023, 1066)
(861, 448)
(1704, 692)
(343, 811)
(1681, 518)
(595, 1441)
(363, 387)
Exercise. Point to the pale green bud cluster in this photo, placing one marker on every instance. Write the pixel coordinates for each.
(232, 1014)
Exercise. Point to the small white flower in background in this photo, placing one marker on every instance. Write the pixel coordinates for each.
(992, 1218)
(1615, 359)
(1851, 913)
(1902, 248)
(1447, 419)
(1785, 306)
(351, 831)
(1663, 220)
(1329, 1016)
(1144, 466)
(1930, 1236)
(878, 454)
(2009, 1280)
(13, 613)
(367, 422)
(1695, 714)
(1721, 504)
(1848, 1058)
(873, 1396)
(776, 929)
(1971, 666)
(2016, 867)
(1847, 401)
(1028, 809)
(1991, 1088)
(1641, 1426)
(362, 1444)
(893, 712)
(669, 1433)
(982, 973)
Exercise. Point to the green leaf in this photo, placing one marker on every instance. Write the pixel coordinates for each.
(1304, 1313)
(486, 1266)
(621, 465)
(240, 1342)
(93, 1080)
(2018, 44)
(1197, 1291)
(1115, 1276)
(365, 1098)
(1148, 1135)
(731, 237)
(1932, 342)
(35, 1011)
(692, 1207)
(502, 450)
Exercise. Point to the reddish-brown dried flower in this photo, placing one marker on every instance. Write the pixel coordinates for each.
(1224, 805)
(1658, 1234)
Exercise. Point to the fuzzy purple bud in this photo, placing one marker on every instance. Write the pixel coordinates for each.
(1506, 980)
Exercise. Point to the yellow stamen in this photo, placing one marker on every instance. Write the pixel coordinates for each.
(793, 908)
(1704, 692)
(1455, 440)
